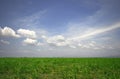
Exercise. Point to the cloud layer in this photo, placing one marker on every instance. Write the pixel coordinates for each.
(30, 37)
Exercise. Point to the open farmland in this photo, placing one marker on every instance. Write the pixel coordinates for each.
(59, 68)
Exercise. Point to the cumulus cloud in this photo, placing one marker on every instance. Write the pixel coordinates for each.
(27, 33)
(29, 41)
(57, 40)
(72, 46)
(8, 32)
(4, 42)
(40, 44)
(44, 37)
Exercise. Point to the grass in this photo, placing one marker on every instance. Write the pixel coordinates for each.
(59, 68)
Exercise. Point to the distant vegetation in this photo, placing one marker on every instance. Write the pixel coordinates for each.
(59, 68)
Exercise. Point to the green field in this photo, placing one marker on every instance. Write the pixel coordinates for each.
(59, 68)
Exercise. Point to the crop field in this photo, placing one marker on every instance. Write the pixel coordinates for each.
(59, 68)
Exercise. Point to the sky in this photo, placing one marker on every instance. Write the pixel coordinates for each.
(59, 28)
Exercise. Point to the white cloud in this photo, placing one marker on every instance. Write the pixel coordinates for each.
(8, 32)
(44, 37)
(27, 33)
(94, 45)
(29, 41)
(96, 32)
(40, 44)
(4, 42)
(72, 46)
(30, 20)
(57, 40)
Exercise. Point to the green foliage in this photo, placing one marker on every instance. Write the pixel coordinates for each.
(59, 68)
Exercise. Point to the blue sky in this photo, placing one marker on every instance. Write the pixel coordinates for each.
(60, 28)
